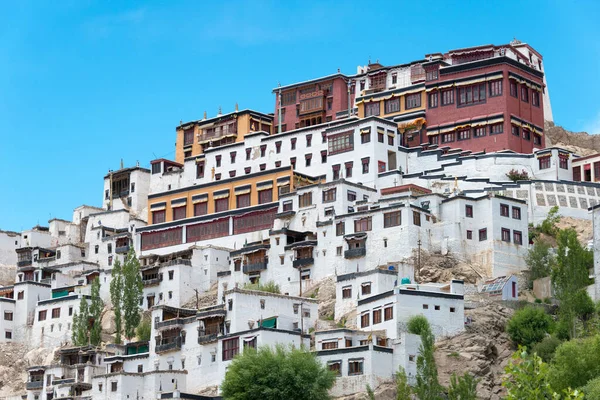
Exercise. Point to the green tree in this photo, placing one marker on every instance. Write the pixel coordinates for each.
(592, 389)
(277, 373)
(462, 387)
(427, 386)
(81, 324)
(418, 325)
(526, 377)
(549, 224)
(144, 330)
(529, 325)
(95, 311)
(546, 348)
(403, 390)
(570, 276)
(540, 260)
(116, 298)
(575, 363)
(132, 292)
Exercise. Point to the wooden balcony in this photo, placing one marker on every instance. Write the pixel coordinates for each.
(34, 385)
(356, 252)
(170, 323)
(303, 262)
(209, 335)
(169, 344)
(255, 267)
(122, 249)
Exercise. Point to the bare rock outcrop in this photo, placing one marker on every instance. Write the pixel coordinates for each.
(15, 358)
(440, 268)
(7, 274)
(581, 143)
(483, 350)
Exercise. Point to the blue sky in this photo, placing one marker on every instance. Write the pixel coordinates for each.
(86, 83)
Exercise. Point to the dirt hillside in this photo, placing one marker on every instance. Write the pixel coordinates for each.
(581, 143)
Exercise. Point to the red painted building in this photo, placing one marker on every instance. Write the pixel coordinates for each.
(312, 102)
(485, 98)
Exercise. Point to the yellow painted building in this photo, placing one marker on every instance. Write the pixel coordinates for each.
(393, 103)
(193, 137)
(240, 192)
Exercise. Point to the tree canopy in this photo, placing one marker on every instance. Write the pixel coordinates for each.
(277, 373)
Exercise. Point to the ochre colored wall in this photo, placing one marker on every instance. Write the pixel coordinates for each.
(215, 187)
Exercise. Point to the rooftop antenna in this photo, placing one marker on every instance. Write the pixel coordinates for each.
(236, 107)
(219, 114)
(204, 116)
(121, 163)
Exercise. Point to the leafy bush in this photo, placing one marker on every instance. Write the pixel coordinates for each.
(546, 348)
(527, 377)
(575, 363)
(270, 287)
(549, 224)
(462, 387)
(529, 326)
(277, 373)
(418, 325)
(592, 389)
(144, 330)
(403, 389)
(538, 301)
(515, 175)
(540, 260)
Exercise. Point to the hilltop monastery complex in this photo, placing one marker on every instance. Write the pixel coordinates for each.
(348, 179)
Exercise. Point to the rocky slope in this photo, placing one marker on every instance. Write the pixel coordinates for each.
(483, 350)
(581, 143)
(15, 358)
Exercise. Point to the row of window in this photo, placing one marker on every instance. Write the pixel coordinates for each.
(388, 314)
(517, 235)
(365, 289)
(355, 367)
(477, 93)
(504, 211)
(526, 134)
(339, 143)
(220, 205)
(42, 314)
(481, 131)
(393, 105)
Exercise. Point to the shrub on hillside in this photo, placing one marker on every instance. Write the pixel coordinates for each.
(529, 326)
(546, 348)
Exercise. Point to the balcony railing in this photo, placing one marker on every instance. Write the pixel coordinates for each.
(255, 267)
(34, 385)
(357, 252)
(63, 381)
(216, 135)
(178, 261)
(209, 334)
(23, 263)
(303, 262)
(169, 345)
(122, 193)
(122, 249)
(151, 282)
(169, 323)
